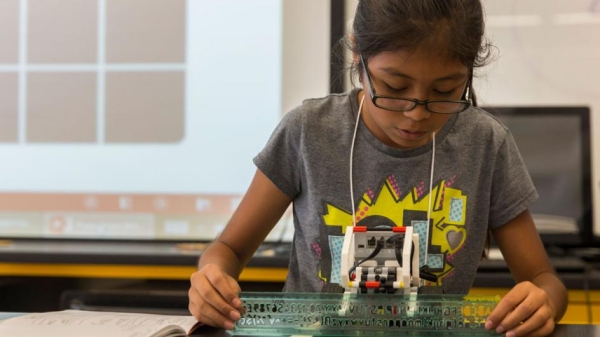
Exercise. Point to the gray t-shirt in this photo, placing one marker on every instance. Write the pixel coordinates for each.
(479, 183)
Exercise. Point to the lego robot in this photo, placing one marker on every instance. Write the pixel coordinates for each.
(383, 260)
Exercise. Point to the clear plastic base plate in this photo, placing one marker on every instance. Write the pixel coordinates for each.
(326, 314)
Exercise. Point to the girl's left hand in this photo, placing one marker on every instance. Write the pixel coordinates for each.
(525, 311)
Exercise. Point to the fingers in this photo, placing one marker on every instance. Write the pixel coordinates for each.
(539, 324)
(232, 292)
(236, 302)
(213, 297)
(225, 294)
(505, 306)
(207, 314)
(524, 311)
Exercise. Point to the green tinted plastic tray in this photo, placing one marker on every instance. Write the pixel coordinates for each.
(326, 314)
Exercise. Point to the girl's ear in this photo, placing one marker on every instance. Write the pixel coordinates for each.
(355, 57)
(355, 60)
(356, 65)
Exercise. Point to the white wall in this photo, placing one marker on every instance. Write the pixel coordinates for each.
(549, 55)
(350, 10)
(305, 51)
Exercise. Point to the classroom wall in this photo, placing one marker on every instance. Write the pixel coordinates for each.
(305, 51)
(548, 54)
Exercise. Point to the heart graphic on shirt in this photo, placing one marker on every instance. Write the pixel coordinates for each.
(455, 238)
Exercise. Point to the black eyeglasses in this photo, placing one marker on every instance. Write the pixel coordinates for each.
(407, 104)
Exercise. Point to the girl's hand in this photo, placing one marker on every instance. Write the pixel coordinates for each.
(214, 297)
(525, 311)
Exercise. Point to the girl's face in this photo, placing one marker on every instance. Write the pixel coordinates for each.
(410, 74)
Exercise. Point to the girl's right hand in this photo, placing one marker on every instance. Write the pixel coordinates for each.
(214, 297)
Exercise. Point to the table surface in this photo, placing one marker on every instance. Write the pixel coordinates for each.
(561, 331)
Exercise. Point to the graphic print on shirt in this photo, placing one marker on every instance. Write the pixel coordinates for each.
(387, 206)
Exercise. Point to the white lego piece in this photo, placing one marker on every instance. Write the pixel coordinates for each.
(415, 260)
(406, 258)
(361, 242)
(347, 255)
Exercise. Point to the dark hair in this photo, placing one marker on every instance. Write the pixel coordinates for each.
(453, 28)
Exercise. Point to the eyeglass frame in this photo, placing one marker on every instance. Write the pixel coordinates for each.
(466, 94)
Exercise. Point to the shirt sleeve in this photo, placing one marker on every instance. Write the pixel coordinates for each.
(512, 188)
(280, 160)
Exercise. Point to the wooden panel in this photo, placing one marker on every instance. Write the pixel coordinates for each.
(577, 310)
(576, 314)
(129, 271)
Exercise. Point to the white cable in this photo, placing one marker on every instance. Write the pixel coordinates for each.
(351, 159)
(430, 197)
(430, 176)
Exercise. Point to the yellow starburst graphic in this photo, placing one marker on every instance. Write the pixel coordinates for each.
(448, 213)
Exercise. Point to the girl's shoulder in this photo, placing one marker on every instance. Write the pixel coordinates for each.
(483, 118)
(480, 124)
(331, 103)
(333, 109)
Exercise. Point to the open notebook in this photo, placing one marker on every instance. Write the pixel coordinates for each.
(97, 324)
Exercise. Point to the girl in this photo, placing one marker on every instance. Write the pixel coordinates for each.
(408, 149)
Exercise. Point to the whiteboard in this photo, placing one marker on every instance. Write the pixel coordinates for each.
(139, 119)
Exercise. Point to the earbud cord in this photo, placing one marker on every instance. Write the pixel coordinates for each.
(351, 159)
(351, 174)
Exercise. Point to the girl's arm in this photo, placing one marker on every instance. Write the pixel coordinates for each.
(539, 299)
(214, 290)
(260, 209)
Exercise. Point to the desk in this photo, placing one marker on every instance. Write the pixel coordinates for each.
(62, 265)
(58, 267)
(561, 331)
(131, 260)
(161, 260)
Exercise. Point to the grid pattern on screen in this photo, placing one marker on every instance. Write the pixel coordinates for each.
(92, 71)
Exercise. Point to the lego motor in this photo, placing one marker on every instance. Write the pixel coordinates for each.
(383, 260)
